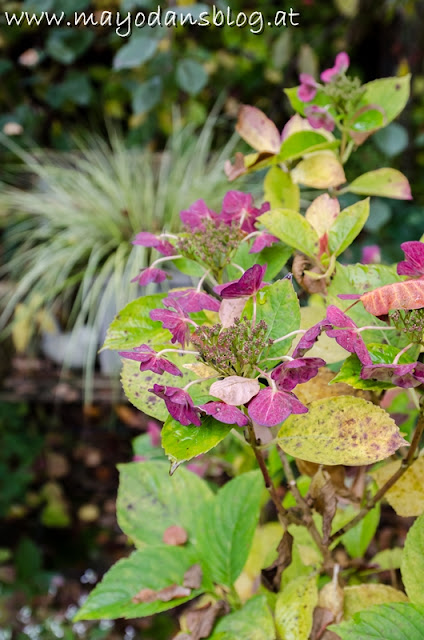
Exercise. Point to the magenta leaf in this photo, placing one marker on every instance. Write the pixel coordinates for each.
(271, 407)
(225, 413)
(179, 404)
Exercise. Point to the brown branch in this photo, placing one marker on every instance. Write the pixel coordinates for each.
(406, 463)
(285, 517)
(308, 520)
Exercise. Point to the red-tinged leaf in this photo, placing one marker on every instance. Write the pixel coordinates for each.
(322, 213)
(235, 390)
(258, 130)
(398, 295)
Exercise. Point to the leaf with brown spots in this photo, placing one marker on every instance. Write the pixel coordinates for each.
(193, 577)
(173, 592)
(342, 430)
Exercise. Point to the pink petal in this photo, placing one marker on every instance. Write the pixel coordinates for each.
(270, 408)
(235, 390)
(225, 413)
(262, 241)
(289, 374)
(151, 274)
(249, 283)
(414, 263)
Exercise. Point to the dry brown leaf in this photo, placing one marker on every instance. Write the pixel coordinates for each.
(193, 577)
(200, 622)
(271, 576)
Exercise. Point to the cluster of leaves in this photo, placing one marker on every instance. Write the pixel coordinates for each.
(238, 354)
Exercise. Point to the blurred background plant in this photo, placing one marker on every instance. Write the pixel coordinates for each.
(67, 237)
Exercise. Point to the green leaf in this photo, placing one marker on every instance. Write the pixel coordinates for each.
(150, 501)
(275, 257)
(294, 608)
(135, 53)
(191, 76)
(227, 526)
(388, 559)
(387, 183)
(293, 229)
(350, 373)
(155, 567)
(341, 430)
(389, 93)
(280, 191)
(357, 539)
(184, 443)
(398, 621)
(303, 142)
(142, 446)
(133, 325)
(412, 568)
(277, 305)
(137, 383)
(66, 46)
(321, 100)
(347, 226)
(147, 95)
(252, 622)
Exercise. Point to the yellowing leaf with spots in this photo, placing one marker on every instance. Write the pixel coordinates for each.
(360, 597)
(320, 170)
(295, 607)
(407, 494)
(341, 430)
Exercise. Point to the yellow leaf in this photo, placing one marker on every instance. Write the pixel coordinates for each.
(322, 213)
(320, 170)
(363, 596)
(294, 608)
(342, 430)
(200, 369)
(407, 494)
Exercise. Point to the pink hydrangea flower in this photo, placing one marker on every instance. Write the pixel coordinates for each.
(248, 285)
(272, 406)
(371, 254)
(225, 413)
(289, 374)
(319, 118)
(149, 361)
(191, 300)
(263, 240)
(341, 64)
(344, 332)
(402, 375)
(308, 87)
(413, 266)
(150, 274)
(179, 404)
(238, 209)
(176, 321)
(194, 216)
(146, 239)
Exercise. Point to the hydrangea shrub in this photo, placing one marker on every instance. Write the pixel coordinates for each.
(308, 368)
